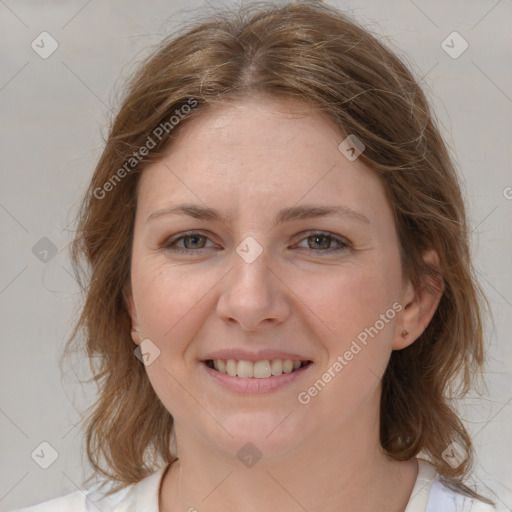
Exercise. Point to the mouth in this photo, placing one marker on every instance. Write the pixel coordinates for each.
(263, 369)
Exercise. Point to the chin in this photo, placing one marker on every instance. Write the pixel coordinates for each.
(274, 434)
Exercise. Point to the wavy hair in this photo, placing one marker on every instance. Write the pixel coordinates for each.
(315, 54)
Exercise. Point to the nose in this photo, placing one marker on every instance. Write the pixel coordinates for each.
(252, 294)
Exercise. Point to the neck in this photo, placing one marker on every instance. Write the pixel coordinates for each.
(344, 475)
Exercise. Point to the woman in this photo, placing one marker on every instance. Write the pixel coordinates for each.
(277, 229)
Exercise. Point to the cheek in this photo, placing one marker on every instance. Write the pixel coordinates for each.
(168, 298)
(356, 308)
(351, 299)
(358, 311)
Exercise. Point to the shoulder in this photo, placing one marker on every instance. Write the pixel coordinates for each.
(445, 499)
(73, 501)
(141, 494)
(79, 501)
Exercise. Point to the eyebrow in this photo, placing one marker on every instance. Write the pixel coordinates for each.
(285, 215)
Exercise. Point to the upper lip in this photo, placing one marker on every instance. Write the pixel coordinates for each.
(259, 355)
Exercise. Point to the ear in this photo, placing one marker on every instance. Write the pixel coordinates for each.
(419, 305)
(132, 311)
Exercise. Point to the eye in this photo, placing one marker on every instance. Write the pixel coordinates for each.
(193, 242)
(319, 242)
(322, 241)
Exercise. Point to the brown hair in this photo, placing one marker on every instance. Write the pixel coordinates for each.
(315, 54)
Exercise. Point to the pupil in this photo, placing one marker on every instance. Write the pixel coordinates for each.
(324, 237)
(194, 237)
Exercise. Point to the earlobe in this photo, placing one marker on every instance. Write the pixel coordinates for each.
(420, 305)
(130, 306)
(136, 336)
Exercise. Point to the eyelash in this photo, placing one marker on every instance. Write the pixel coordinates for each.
(343, 245)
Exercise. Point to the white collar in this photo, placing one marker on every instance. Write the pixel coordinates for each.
(144, 495)
(421, 490)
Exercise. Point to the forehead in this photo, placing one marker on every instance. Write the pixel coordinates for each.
(258, 123)
(259, 151)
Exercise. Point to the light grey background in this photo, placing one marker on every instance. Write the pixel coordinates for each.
(54, 112)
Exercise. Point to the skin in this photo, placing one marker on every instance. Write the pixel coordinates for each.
(250, 159)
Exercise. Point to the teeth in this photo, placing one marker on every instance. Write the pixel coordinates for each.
(276, 367)
(245, 369)
(231, 367)
(287, 366)
(259, 370)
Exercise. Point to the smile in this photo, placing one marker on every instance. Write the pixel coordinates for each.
(258, 369)
(245, 377)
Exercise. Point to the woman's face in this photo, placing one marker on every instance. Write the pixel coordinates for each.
(320, 288)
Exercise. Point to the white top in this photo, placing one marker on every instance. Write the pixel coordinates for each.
(428, 495)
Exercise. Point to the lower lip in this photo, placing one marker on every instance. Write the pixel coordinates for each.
(254, 385)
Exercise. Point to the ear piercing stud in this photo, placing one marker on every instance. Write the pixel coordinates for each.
(404, 333)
